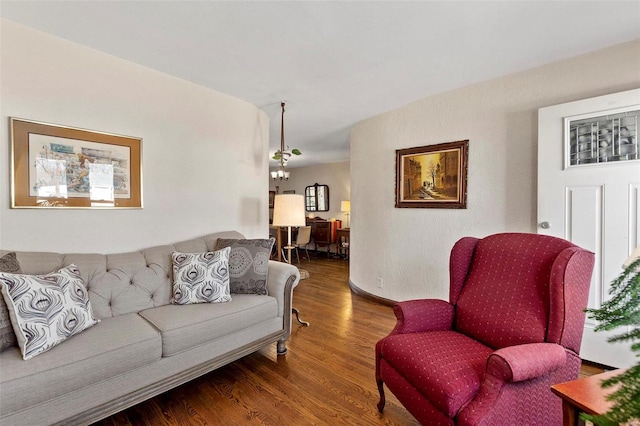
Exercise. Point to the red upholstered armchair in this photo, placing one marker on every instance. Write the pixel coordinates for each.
(512, 328)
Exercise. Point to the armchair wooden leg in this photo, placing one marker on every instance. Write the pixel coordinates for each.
(382, 398)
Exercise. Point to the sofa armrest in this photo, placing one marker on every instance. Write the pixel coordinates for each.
(281, 280)
(414, 316)
(525, 362)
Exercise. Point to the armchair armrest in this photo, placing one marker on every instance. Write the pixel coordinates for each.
(525, 362)
(505, 368)
(414, 316)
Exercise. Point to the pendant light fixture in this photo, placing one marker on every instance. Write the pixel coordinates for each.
(281, 154)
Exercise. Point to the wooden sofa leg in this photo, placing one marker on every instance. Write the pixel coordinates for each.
(281, 347)
(382, 399)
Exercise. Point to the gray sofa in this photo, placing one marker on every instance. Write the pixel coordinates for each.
(143, 345)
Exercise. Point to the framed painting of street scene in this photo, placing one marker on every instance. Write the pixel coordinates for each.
(66, 167)
(432, 176)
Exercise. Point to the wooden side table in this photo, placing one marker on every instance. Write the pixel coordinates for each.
(584, 396)
(323, 232)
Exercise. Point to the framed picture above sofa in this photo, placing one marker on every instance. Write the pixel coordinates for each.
(58, 166)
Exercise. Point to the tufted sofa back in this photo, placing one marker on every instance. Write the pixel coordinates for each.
(122, 283)
(513, 288)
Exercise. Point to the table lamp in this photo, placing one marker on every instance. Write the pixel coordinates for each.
(288, 210)
(345, 207)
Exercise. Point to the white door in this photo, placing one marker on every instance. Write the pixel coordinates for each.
(589, 193)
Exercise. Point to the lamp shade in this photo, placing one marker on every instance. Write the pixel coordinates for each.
(288, 210)
(345, 206)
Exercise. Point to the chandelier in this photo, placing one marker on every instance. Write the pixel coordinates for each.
(281, 154)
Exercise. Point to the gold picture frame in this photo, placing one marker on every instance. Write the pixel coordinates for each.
(56, 166)
(432, 176)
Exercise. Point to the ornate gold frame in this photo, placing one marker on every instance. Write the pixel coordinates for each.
(443, 183)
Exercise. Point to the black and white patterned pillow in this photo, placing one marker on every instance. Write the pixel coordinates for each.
(248, 264)
(8, 263)
(201, 277)
(47, 309)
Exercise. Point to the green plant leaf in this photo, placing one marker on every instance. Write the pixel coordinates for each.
(295, 151)
(622, 310)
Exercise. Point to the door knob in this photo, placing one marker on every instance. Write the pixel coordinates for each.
(545, 225)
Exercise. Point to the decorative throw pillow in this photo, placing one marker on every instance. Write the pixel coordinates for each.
(8, 263)
(47, 309)
(201, 277)
(248, 264)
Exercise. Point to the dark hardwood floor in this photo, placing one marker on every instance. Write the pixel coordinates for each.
(327, 377)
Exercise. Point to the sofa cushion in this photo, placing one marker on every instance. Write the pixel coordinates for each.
(46, 310)
(248, 264)
(201, 277)
(185, 326)
(8, 263)
(426, 358)
(113, 346)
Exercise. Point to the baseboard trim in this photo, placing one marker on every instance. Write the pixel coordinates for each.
(372, 297)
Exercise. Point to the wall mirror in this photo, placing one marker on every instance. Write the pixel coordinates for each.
(316, 198)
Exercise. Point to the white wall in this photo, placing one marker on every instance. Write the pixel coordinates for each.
(205, 154)
(409, 248)
(335, 175)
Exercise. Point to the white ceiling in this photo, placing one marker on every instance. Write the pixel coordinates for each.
(334, 62)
